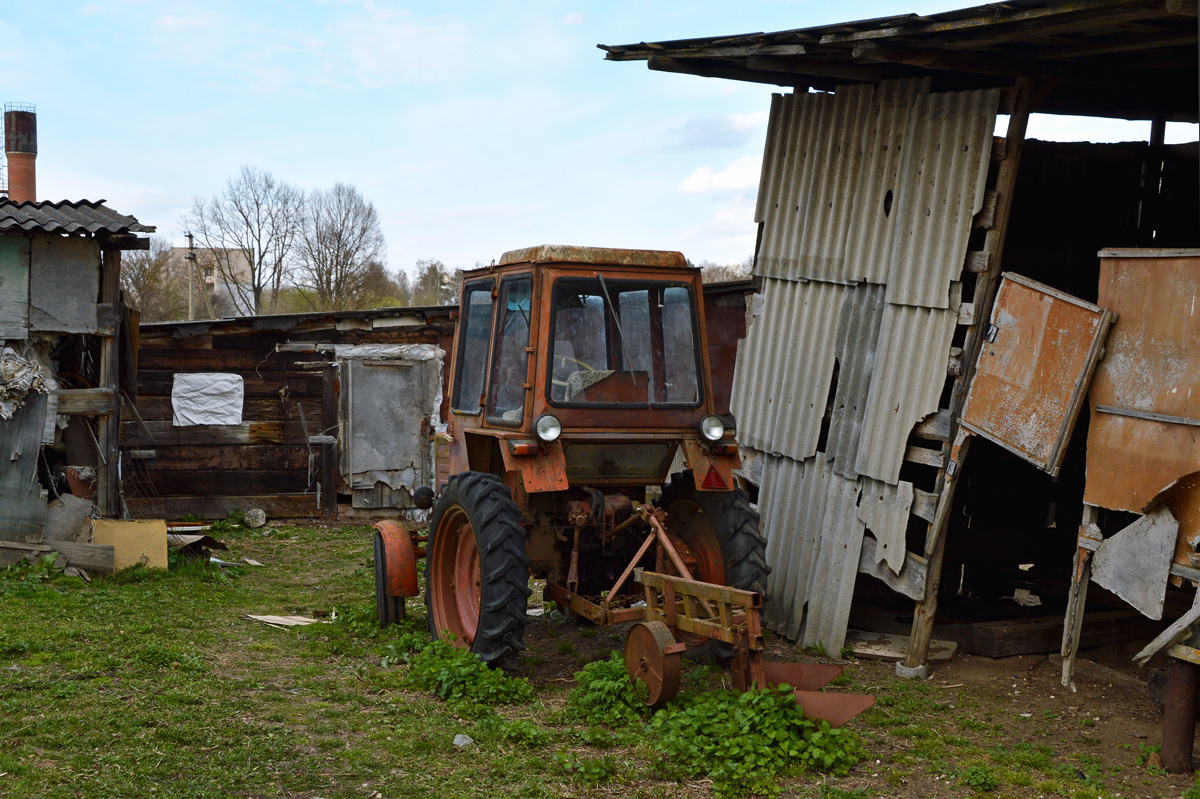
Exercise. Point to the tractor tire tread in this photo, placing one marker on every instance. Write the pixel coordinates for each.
(504, 565)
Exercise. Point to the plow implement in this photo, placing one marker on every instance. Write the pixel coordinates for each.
(678, 605)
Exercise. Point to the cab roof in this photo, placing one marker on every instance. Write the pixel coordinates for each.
(601, 256)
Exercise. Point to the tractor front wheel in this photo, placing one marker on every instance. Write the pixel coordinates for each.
(721, 533)
(476, 570)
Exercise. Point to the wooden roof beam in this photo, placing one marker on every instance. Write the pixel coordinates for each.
(728, 71)
(1035, 16)
(1124, 44)
(739, 51)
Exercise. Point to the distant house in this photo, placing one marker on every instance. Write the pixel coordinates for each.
(226, 272)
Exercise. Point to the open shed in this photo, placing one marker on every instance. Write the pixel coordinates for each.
(65, 356)
(894, 196)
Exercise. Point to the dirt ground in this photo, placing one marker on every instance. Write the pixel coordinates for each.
(1009, 715)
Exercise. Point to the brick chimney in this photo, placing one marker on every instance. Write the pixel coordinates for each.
(20, 144)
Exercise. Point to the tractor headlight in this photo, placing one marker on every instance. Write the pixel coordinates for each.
(712, 428)
(547, 428)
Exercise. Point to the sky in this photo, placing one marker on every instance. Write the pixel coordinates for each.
(474, 127)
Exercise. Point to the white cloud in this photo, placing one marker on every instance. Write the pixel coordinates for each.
(575, 18)
(740, 176)
(710, 133)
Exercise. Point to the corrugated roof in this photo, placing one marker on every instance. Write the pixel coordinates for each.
(1120, 58)
(81, 216)
(910, 372)
(784, 367)
(941, 188)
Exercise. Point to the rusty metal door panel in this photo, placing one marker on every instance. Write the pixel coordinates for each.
(1031, 377)
(1144, 432)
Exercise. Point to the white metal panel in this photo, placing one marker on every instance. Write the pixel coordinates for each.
(949, 147)
(910, 373)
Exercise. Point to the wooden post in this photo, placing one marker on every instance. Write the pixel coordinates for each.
(109, 433)
(1028, 96)
(1081, 572)
(329, 427)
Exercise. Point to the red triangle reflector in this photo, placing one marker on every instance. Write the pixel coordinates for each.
(713, 479)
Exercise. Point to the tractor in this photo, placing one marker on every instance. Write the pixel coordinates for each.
(578, 377)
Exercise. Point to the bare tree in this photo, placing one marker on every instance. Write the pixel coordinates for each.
(153, 284)
(249, 232)
(341, 250)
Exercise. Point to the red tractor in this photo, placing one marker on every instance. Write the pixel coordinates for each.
(579, 376)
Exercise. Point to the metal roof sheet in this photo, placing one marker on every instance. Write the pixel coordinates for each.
(910, 372)
(857, 341)
(784, 367)
(81, 216)
(941, 188)
(875, 183)
(831, 171)
(814, 539)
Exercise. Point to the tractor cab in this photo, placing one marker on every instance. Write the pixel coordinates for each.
(584, 367)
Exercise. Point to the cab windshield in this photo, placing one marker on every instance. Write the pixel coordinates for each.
(623, 342)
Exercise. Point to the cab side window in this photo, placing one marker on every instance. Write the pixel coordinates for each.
(510, 368)
(473, 345)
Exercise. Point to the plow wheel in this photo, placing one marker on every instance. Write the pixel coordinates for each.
(720, 532)
(476, 569)
(652, 658)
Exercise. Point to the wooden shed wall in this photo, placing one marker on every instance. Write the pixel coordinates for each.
(263, 462)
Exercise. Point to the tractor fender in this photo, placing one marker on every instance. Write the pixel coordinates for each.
(546, 471)
(711, 472)
(400, 559)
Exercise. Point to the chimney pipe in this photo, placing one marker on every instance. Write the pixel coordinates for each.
(20, 144)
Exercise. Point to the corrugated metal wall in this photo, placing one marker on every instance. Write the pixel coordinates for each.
(866, 201)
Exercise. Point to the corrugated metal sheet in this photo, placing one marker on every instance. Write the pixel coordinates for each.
(857, 340)
(884, 509)
(875, 183)
(784, 366)
(789, 507)
(941, 189)
(829, 164)
(814, 539)
(869, 238)
(910, 372)
(82, 216)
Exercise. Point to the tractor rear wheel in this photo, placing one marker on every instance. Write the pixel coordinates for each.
(721, 533)
(476, 570)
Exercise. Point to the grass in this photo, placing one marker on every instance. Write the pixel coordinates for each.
(151, 684)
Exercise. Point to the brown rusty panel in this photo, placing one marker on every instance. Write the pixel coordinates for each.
(1152, 365)
(1031, 375)
(544, 472)
(1183, 498)
(726, 324)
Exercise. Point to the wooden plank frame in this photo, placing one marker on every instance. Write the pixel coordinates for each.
(1029, 95)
